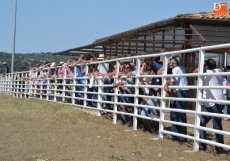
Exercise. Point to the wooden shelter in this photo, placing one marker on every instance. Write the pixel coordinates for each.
(180, 32)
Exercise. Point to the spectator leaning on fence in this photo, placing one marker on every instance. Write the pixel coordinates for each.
(37, 81)
(124, 84)
(212, 94)
(92, 74)
(32, 77)
(79, 64)
(45, 74)
(180, 93)
(129, 74)
(108, 81)
(71, 64)
(148, 69)
(52, 76)
(103, 69)
(5, 68)
(53, 71)
(62, 73)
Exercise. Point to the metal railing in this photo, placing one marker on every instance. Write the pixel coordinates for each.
(103, 97)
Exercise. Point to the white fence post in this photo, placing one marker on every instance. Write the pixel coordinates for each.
(99, 95)
(163, 95)
(198, 97)
(115, 92)
(137, 80)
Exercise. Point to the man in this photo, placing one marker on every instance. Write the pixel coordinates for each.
(181, 93)
(5, 68)
(212, 94)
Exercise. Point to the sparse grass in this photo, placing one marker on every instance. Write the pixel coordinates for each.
(35, 130)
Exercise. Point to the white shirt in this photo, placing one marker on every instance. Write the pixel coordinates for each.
(179, 80)
(103, 68)
(213, 94)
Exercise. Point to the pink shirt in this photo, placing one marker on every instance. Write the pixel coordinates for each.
(61, 72)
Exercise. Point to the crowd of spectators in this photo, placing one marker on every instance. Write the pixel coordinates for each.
(81, 78)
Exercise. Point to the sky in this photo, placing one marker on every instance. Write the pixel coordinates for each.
(57, 25)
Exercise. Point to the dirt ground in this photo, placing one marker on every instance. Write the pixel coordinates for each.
(34, 130)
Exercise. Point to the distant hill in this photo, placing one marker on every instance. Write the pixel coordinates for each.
(22, 62)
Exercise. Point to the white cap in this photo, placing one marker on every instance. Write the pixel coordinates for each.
(52, 64)
(100, 57)
(61, 62)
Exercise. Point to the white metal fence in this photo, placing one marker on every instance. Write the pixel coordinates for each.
(104, 98)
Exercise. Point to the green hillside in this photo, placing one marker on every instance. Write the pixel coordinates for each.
(22, 62)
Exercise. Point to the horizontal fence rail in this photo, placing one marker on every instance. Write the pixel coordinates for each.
(127, 97)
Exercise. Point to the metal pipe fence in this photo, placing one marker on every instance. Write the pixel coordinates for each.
(124, 102)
